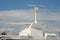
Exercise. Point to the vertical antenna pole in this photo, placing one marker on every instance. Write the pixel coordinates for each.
(36, 12)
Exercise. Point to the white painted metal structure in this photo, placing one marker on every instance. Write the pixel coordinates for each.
(36, 34)
(36, 11)
(49, 34)
(27, 31)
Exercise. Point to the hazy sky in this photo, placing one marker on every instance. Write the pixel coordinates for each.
(15, 10)
(52, 5)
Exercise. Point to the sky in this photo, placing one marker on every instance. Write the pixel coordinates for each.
(19, 11)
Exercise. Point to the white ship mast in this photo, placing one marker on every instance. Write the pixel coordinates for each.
(36, 12)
